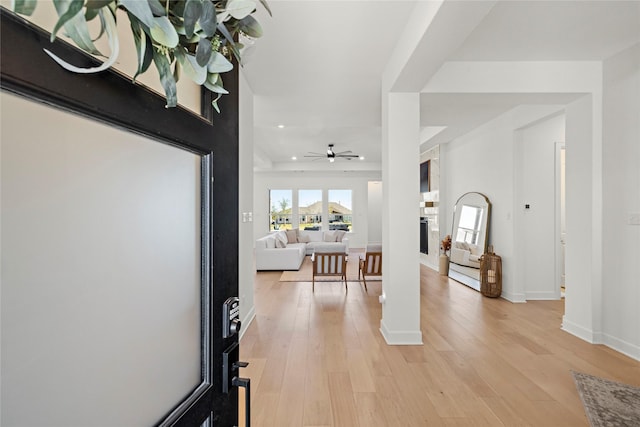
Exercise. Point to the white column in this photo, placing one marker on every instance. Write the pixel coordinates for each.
(400, 322)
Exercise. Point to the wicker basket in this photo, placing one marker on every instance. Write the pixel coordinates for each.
(490, 274)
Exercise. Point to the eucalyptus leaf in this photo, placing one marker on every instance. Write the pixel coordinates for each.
(240, 8)
(222, 16)
(157, 8)
(166, 78)
(89, 15)
(24, 7)
(141, 10)
(266, 6)
(97, 4)
(215, 88)
(250, 27)
(203, 52)
(196, 72)
(232, 44)
(192, 12)
(164, 32)
(176, 71)
(177, 8)
(144, 47)
(112, 35)
(208, 19)
(66, 9)
(214, 103)
(76, 28)
(219, 64)
(103, 25)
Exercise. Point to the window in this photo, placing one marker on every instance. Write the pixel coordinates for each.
(469, 225)
(281, 207)
(340, 213)
(310, 209)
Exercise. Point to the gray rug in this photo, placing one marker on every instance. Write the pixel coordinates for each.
(608, 403)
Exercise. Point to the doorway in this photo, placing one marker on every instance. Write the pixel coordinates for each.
(561, 224)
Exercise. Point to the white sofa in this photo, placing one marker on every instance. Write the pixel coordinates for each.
(277, 251)
(466, 254)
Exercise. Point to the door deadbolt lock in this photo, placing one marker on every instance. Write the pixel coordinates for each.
(231, 317)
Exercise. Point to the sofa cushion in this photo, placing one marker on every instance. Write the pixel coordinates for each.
(339, 235)
(292, 236)
(303, 238)
(329, 236)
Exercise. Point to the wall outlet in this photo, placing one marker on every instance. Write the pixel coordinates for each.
(634, 218)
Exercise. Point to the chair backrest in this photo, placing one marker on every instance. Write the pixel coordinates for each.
(373, 263)
(329, 264)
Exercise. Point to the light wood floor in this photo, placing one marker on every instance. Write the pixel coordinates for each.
(319, 359)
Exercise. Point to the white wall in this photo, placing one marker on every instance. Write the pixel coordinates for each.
(476, 162)
(246, 271)
(535, 239)
(621, 196)
(357, 182)
(374, 212)
(486, 161)
(580, 301)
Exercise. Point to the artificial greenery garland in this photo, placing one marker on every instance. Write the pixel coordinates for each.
(197, 37)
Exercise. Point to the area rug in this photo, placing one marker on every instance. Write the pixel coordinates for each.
(304, 273)
(608, 403)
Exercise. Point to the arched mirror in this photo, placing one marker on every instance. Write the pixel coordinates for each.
(469, 238)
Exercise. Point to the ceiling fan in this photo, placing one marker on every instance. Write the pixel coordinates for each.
(332, 155)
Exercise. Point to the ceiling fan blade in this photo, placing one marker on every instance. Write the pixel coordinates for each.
(317, 154)
(344, 152)
(347, 156)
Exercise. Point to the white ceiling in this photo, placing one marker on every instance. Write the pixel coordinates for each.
(318, 68)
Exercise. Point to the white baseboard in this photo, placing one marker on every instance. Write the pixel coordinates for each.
(514, 298)
(577, 330)
(400, 337)
(626, 348)
(542, 295)
(246, 321)
(617, 344)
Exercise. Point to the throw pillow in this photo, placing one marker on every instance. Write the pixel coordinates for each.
(339, 235)
(292, 236)
(271, 242)
(329, 236)
(281, 237)
(303, 238)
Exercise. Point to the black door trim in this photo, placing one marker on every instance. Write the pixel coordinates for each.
(111, 98)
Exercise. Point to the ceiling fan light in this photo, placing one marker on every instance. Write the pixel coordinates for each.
(331, 160)
(361, 157)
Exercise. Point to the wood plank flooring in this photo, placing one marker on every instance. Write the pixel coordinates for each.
(318, 359)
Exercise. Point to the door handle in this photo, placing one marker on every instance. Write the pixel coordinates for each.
(246, 384)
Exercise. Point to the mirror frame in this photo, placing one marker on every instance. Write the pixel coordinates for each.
(460, 275)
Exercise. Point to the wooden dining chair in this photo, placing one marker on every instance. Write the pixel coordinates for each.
(370, 264)
(329, 264)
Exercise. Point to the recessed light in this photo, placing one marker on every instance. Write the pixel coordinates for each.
(361, 157)
(280, 126)
(294, 158)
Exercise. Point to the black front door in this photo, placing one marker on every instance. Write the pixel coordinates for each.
(121, 246)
